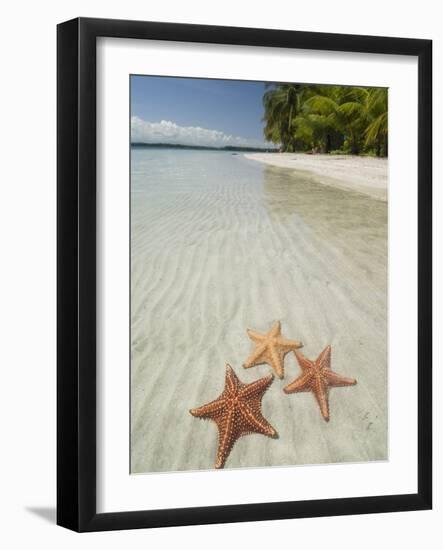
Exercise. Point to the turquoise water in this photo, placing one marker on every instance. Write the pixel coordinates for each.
(248, 188)
(220, 243)
(171, 168)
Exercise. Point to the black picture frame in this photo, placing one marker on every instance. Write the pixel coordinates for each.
(76, 273)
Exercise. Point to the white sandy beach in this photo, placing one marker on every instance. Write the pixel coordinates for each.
(220, 244)
(368, 175)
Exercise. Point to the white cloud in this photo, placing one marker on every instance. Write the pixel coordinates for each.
(166, 131)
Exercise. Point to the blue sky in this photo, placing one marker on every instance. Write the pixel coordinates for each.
(196, 111)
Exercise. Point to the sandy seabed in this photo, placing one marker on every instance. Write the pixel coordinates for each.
(254, 245)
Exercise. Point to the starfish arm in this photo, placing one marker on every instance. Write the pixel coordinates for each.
(289, 345)
(256, 388)
(300, 384)
(255, 422)
(255, 336)
(324, 359)
(321, 394)
(226, 438)
(231, 381)
(256, 356)
(303, 361)
(210, 410)
(275, 330)
(277, 363)
(335, 380)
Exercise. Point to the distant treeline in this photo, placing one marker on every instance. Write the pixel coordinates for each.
(342, 119)
(203, 147)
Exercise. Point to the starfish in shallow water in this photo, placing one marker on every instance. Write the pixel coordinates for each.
(270, 348)
(236, 412)
(317, 377)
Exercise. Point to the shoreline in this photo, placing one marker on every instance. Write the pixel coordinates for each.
(367, 175)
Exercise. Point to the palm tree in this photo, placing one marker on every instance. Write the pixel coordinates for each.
(376, 132)
(315, 130)
(342, 109)
(351, 118)
(282, 105)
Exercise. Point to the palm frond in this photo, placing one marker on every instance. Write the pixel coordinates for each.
(378, 127)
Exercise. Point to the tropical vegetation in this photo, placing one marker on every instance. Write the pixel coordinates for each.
(340, 119)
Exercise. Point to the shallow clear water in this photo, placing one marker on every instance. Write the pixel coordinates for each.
(220, 243)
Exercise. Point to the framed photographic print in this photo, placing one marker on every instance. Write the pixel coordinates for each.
(244, 274)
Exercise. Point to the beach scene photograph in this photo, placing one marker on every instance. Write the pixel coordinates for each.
(258, 274)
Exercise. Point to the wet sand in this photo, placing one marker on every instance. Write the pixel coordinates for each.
(230, 244)
(367, 175)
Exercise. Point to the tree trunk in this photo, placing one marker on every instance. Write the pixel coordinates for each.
(378, 146)
(290, 120)
(354, 146)
(328, 143)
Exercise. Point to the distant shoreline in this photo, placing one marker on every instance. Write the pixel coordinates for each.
(203, 147)
(367, 175)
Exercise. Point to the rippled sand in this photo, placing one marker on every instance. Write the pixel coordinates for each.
(220, 243)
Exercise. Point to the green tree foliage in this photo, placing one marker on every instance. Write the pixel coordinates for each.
(282, 105)
(347, 118)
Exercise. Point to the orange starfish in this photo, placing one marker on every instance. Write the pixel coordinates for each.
(270, 348)
(236, 412)
(318, 377)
